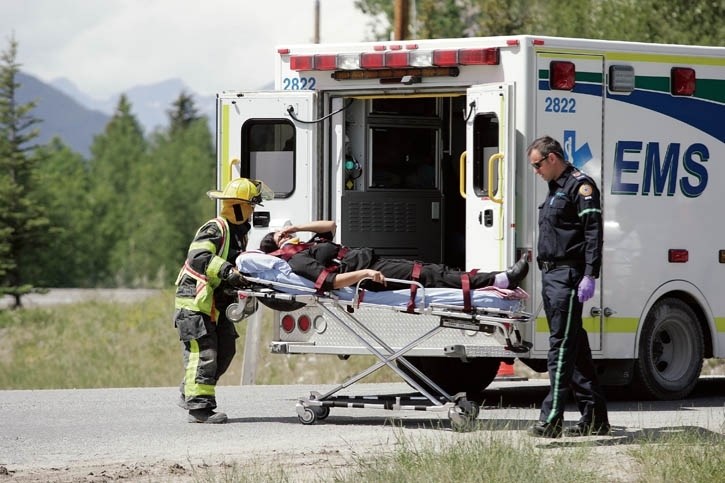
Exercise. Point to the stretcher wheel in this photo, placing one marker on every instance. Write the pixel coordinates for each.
(321, 412)
(307, 416)
(470, 408)
(463, 415)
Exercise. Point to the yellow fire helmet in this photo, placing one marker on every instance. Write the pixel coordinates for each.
(240, 197)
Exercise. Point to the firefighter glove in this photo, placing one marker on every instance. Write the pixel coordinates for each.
(235, 279)
(586, 288)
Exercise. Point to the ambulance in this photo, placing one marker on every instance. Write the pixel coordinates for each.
(417, 148)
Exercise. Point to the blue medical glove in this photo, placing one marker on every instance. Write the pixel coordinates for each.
(586, 288)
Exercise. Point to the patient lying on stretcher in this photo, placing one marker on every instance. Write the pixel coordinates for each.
(273, 269)
(331, 266)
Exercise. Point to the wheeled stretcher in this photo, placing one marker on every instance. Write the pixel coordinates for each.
(493, 313)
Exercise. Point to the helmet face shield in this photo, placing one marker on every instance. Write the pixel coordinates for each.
(236, 211)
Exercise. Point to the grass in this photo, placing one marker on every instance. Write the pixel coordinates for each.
(104, 344)
(686, 456)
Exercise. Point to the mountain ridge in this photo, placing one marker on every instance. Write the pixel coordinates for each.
(76, 118)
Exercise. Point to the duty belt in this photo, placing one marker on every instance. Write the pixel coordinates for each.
(546, 265)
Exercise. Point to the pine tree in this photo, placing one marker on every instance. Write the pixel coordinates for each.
(117, 156)
(171, 195)
(22, 221)
(64, 184)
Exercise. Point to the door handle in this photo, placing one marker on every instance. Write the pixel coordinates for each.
(596, 312)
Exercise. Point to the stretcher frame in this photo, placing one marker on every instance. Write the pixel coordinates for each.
(460, 411)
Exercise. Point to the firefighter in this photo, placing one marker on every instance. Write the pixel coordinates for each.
(569, 255)
(203, 293)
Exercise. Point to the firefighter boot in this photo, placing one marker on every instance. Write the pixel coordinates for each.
(518, 271)
(206, 415)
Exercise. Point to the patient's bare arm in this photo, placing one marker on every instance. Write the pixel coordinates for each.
(351, 278)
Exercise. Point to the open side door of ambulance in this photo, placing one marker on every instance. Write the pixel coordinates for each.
(490, 177)
(263, 135)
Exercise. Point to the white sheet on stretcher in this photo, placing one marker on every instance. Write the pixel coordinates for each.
(271, 268)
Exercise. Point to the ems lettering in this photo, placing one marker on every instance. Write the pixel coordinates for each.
(652, 169)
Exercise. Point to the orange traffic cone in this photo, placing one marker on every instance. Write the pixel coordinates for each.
(506, 373)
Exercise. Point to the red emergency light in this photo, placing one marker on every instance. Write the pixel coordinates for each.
(682, 81)
(372, 60)
(677, 255)
(395, 57)
(562, 75)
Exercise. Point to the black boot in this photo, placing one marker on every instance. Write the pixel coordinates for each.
(206, 415)
(546, 430)
(518, 271)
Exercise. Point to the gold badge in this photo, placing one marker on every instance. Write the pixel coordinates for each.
(585, 190)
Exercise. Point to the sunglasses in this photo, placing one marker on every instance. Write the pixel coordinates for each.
(537, 164)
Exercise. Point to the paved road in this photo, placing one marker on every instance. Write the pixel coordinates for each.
(63, 296)
(66, 428)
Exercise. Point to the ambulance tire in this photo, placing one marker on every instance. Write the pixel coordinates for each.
(671, 351)
(454, 375)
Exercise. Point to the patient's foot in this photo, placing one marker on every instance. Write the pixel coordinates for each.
(517, 272)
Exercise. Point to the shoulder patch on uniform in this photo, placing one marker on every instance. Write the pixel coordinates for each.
(585, 189)
(576, 173)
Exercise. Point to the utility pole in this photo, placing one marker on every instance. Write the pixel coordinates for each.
(317, 22)
(400, 31)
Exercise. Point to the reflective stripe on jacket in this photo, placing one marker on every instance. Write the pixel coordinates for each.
(201, 273)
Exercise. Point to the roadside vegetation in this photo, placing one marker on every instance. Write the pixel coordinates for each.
(105, 344)
(492, 455)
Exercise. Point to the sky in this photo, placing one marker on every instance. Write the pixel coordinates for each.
(105, 47)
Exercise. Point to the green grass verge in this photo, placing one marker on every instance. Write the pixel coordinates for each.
(105, 344)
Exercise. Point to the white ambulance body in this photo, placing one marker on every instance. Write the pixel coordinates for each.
(418, 149)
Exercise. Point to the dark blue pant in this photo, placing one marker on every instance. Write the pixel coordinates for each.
(570, 359)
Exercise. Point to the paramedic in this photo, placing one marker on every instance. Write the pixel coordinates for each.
(207, 336)
(333, 266)
(569, 256)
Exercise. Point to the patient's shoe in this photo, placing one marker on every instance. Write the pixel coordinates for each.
(518, 271)
(206, 415)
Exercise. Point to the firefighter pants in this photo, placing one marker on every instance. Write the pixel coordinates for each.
(205, 360)
(570, 364)
(431, 274)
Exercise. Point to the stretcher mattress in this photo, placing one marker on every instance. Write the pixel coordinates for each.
(267, 267)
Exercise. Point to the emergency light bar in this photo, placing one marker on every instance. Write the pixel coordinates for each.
(396, 59)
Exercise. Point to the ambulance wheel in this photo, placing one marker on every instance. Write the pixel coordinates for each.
(321, 412)
(671, 351)
(454, 375)
(307, 416)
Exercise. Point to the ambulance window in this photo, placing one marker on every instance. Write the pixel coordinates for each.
(268, 154)
(403, 157)
(485, 145)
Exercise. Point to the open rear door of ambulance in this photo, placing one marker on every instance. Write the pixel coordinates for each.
(490, 178)
(263, 135)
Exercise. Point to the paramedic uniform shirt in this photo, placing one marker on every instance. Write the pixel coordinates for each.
(570, 222)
